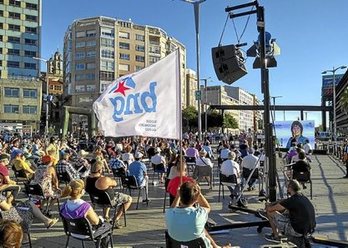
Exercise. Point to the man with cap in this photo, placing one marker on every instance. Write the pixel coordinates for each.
(19, 164)
(159, 163)
(139, 170)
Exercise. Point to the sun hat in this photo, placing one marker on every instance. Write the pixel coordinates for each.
(138, 155)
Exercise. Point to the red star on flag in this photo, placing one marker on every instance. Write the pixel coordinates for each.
(121, 88)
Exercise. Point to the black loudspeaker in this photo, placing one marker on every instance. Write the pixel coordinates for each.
(229, 63)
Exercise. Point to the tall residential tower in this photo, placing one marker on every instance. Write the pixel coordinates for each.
(20, 89)
(99, 50)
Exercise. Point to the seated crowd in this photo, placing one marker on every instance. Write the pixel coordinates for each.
(63, 170)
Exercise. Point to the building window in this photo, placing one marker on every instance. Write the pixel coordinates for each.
(80, 55)
(90, 87)
(124, 45)
(30, 66)
(140, 58)
(107, 65)
(11, 92)
(140, 37)
(31, 30)
(90, 76)
(58, 87)
(123, 35)
(106, 76)
(13, 39)
(153, 59)
(1, 13)
(139, 48)
(30, 42)
(1, 26)
(80, 88)
(79, 77)
(14, 15)
(14, 27)
(124, 56)
(90, 54)
(80, 34)
(15, 3)
(80, 44)
(31, 6)
(11, 109)
(31, 18)
(27, 109)
(107, 32)
(123, 67)
(13, 64)
(30, 93)
(13, 52)
(90, 66)
(108, 54)
(91, 43)
(138, 68)
(91, 33)
(80, 67)
(107, 42)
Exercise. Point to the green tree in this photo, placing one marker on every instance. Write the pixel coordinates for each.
(189, 117)
(230, 122)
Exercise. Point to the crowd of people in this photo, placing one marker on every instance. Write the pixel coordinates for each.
(91, 168)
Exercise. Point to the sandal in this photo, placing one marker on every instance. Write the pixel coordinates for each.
(52, 223)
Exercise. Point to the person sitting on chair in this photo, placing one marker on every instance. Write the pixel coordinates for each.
(191, 153)
(159, 163)
(4, 162)
(299, 219)
(204, 168)
(300, 166)
(76, 208)
(65, 166)
(139, 170)
(20, 164)
(96, 182)
(228, 168)
(249, 162)
(184, 221)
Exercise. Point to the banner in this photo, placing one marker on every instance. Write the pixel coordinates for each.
(298, 131)
(145, 103)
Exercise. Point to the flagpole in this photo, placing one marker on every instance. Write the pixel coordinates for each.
(180, 118)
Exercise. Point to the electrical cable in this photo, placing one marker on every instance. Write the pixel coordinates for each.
(223, 31)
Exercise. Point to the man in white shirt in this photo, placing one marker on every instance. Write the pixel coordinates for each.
(228, 168)
(159, 163)
(248, 164)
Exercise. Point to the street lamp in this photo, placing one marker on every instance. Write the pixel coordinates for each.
(196, 6)
(333, 71)
(47, 92)
(205, 103)
(274, 98)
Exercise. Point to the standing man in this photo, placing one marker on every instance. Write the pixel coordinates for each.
(300, 219)
(139, 170)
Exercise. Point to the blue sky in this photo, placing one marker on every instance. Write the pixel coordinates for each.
(312, 35)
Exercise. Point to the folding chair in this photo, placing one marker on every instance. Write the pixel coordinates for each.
(20, 176)
(226, 181)
(103, 200)
(64, 177)
(303, 177)
(82, 230)
(204, 171)
(157, 169)
(36, 190)
(118, 174)
(172, 243)
(130, 182)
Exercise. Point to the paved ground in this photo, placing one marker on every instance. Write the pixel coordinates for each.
(145, 227)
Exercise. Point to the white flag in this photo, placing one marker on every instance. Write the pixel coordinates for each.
(146, 103)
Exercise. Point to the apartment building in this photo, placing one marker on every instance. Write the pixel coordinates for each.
(20, 35)
(101, 49)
